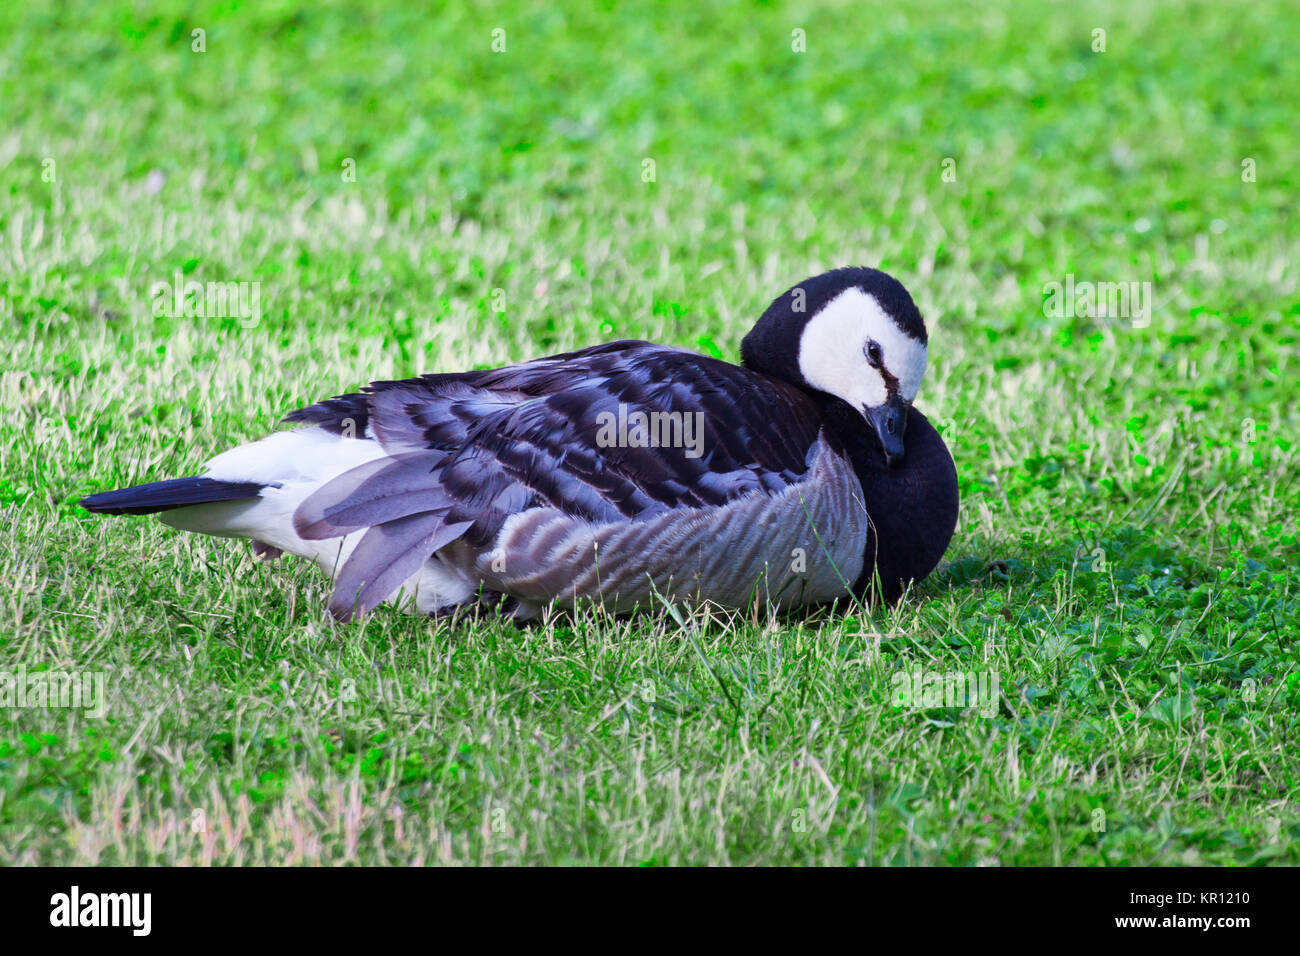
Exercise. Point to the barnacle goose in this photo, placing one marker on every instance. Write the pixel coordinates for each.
(625, 473)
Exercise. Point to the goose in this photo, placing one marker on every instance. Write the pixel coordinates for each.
(626, 473)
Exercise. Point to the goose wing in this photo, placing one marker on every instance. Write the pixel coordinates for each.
(627, 431)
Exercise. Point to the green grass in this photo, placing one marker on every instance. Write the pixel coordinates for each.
(1156, 681)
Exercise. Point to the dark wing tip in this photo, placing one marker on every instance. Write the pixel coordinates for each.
(166, 495)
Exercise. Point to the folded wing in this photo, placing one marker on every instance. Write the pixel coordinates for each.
(627, 430)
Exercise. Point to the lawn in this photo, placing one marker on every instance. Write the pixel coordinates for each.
(413, 191)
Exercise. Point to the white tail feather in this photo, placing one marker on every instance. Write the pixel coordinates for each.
(300, 462)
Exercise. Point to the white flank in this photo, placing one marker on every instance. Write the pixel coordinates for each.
(299, 462)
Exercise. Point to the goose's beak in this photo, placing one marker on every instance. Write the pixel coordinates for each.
(890, 421)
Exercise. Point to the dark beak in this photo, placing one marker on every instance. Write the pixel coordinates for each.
(890, 421)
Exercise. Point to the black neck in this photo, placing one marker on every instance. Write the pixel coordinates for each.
(912, 505)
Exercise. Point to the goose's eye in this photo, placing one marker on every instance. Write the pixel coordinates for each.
(873, 353)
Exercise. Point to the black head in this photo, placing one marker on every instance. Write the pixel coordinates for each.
(853, 333)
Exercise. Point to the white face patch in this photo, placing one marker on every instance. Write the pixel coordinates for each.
(832, 357)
